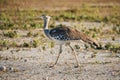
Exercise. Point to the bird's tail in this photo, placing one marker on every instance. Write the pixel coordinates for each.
(89, 40)
(92, 42)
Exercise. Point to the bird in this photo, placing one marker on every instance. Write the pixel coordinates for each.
(64, 35)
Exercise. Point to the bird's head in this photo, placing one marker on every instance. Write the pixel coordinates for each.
(45, 17)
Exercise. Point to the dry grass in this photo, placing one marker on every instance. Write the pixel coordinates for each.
(53, 4)
(20, 14)
(27, 54)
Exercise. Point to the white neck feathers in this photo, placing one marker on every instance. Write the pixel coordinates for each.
(46, 21)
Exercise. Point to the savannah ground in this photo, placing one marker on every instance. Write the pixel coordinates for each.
(26, 54)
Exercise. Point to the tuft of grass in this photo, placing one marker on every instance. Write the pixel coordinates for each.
(35, 43)
(10, 34)
(42, 35)
(14, 44)
(108, 46)
(25, 44)
(106, 19)
(43, 48)
(52, 44)
(112, 47)
(77, 47)
(113, 38)
(116, 29)
(94, 35)
(36, 25)
(29, 34)
(4, 43)
(33, 25)
(52, 26)
(36, 34)
(94, 54)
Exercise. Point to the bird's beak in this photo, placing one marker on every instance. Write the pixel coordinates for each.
(37, 18)
(41, 17)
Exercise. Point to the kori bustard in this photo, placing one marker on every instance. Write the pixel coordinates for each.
(64, 35)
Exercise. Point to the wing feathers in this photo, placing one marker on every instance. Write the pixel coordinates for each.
(67, 33)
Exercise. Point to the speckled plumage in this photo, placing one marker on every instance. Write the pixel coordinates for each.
(69, 34)
(62, 35)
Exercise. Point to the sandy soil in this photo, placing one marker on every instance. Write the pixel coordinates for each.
(33, 64)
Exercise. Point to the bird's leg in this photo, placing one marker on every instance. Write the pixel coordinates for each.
(74, 53)
(60, 51)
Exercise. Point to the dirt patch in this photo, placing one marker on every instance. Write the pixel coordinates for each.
(33, 64)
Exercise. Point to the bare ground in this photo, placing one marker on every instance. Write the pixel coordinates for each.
(33, 64)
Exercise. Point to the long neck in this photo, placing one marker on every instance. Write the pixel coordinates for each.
(46, 30)
(46, 21)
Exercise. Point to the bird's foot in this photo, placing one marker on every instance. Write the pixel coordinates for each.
(52, 66)
(76, 66)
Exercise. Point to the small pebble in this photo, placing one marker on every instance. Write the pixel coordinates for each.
(21, 58)
(113, 73)
(76, 66)
(11, 69)
(118, 55)
(25, 60)
(3, 68)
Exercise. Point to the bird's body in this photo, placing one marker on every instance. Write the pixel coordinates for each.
(62, 35)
